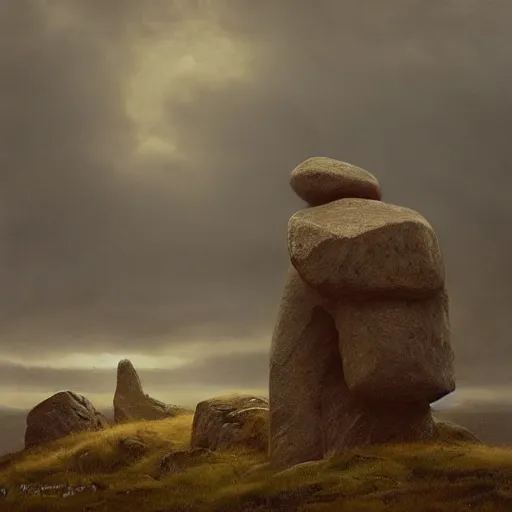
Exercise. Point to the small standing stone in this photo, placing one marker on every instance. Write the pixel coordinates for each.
(130, 401)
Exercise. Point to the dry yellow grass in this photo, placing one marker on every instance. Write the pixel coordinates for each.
(419, 478)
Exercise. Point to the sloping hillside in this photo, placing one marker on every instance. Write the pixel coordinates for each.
(98, 471)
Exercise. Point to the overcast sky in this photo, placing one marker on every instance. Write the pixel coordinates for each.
(145, 150)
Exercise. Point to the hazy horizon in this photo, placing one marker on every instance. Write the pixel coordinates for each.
(145, 153)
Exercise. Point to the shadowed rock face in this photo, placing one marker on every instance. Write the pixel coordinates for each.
(361, 345)
(62, 414)
(130, 401)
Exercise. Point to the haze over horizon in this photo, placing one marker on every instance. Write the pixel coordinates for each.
(145, 153)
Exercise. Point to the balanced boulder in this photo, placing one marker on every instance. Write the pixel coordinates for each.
(225, 422)
(130, 401)
(360, 247)
(320, 180)
(62, 414)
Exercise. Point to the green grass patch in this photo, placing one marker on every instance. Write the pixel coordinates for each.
(400, 478)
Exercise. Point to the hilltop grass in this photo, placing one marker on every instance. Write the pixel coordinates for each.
(420, 478)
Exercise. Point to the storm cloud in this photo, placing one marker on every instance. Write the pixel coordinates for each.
(145, 148)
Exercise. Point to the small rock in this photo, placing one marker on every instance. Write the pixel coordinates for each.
(229, 421)
(133, 447)
(320, 180)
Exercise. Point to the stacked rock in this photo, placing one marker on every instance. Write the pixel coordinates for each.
(362, 342)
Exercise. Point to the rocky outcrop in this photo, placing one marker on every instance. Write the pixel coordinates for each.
(130, 401)
(320, 180)
(361, 346)
(231, 421)
(62, 414)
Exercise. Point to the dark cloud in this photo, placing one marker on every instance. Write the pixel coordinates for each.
(107, 251)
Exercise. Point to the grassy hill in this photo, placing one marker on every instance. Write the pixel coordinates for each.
(420, 478)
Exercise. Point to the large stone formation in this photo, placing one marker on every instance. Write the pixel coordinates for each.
(362, 341)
